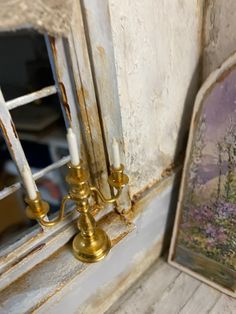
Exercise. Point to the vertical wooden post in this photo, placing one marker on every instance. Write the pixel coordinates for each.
(99, 36)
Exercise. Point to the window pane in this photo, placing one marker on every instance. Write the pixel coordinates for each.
(25, 68)
(24, 63)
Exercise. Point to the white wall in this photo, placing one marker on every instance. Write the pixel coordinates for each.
(219, 33)
(157, 48)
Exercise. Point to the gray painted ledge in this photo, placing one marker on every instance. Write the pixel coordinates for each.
(61, 282)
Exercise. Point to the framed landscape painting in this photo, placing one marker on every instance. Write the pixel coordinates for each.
(204, 237)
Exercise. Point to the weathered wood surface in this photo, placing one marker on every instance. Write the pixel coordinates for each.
(61, 72)
(60, 282)
(165, 290)
(181, 289)
(147, 291)
(99, 37)
(97, 21)
(201, 301)
(16, 260)
(11, 136)
(88, 108)
(33, 249)
(54, 273)
(224, 305)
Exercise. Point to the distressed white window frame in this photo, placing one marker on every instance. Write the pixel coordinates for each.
(72, 67)
(11, 266)
(18, 259)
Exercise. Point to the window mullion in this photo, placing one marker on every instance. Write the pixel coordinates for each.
(58, 60)
(26, 99)
(11, 136)
(14, 187)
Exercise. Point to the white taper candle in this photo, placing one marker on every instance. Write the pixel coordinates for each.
(29, 183)
(73, 147)
(116, 154)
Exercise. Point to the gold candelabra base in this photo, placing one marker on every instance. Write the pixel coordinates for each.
(91, 249)
(91, 244)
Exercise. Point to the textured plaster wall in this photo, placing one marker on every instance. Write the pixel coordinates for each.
(157, 48)
(219, 33)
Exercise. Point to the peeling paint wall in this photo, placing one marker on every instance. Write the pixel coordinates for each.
(219, 33)
(157, 48)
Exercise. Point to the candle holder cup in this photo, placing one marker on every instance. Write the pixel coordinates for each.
(91, 244)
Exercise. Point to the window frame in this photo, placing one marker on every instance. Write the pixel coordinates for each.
(71, 66)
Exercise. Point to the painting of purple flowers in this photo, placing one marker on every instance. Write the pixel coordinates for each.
(206, 237)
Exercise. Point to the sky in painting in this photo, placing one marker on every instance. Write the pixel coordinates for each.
(218, 106)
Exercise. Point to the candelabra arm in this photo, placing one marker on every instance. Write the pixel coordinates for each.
(103, 198)
(60, 216)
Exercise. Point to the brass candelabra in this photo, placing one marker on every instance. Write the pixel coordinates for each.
(91, 244)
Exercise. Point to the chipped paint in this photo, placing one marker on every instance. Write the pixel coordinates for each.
(28, 254)
(143, 200)
(118, 229)
(14, 129)
(58, 60)
(11, 137)
(82, 92)
(157, 82)
(65, 102)
(103, 282)
(97, 19)
(166, 173)
(89, 113)
(60, 263)
(5, 134)
(53, 44)
(101, 52)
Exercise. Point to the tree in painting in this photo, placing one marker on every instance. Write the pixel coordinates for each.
(220, 152)
(194, 178)
(230, 182)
